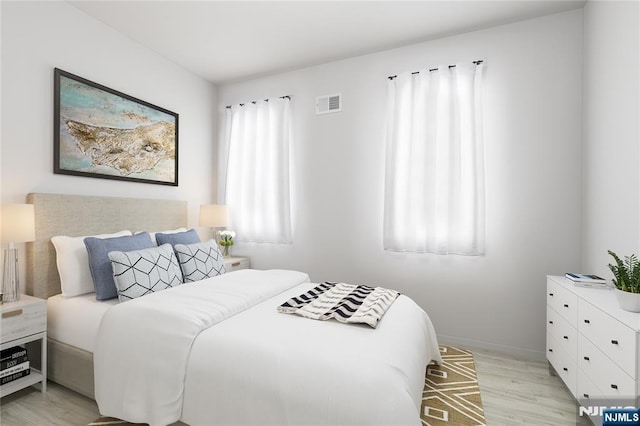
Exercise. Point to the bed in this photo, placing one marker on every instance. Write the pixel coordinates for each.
(218, 351)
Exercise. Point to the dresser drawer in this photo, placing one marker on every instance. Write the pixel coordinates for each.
(22, 320)
(615, 340)
(563, 363)
(563, 301)
(586, 389)
(610, 379)
(236, 263)
(563, 333)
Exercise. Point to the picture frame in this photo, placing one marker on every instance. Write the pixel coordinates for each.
(103, 133)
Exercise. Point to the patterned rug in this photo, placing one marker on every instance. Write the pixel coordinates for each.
(451, 394)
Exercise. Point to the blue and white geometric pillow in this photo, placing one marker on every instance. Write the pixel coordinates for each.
(141, 272)
(199, 261)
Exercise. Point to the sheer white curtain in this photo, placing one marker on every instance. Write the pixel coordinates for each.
(434, 183)
(256, 187)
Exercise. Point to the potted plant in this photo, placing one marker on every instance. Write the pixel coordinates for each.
(627, 281)
(226, 241)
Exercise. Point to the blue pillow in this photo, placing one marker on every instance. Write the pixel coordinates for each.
(187, 237)
(100, 265)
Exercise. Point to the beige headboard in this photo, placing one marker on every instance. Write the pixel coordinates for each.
(77, 215)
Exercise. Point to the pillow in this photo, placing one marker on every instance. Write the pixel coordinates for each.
(199, 261)
(188, 237)
(73, 263)
(171, 231)
(100, 265)
(141, 272)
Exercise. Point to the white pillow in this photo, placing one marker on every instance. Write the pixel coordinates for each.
(171, 231)
(199, 261)
(140, 272)
(73, 263)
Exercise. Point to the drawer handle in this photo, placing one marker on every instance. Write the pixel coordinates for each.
(566, 337)
(614, 386)
(565, 368)
(550, 350)
(566, 306)
(586, 358)
(586, 395)
(614, 342)
(550, 322)
(235, 264)
(587, 322)
(12, 313)
(551, 294)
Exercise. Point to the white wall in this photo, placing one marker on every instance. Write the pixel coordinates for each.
(39, 36)
(611, 176)
(533, 146)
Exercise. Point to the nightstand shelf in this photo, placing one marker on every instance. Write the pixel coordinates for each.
(25, 321)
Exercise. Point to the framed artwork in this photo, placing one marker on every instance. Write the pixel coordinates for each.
(100, 132)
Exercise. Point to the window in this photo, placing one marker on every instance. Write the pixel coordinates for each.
(434, 177)
(256, 185)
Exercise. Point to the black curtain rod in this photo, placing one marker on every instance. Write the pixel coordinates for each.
(478, 62)
(266, 100)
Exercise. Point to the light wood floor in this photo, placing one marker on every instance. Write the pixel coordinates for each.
(514, 392)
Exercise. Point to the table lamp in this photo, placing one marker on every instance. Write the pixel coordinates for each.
(17, 225)
(214, 216)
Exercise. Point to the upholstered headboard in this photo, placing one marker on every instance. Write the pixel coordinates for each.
(77, 215)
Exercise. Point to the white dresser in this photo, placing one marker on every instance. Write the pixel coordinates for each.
(592, 344)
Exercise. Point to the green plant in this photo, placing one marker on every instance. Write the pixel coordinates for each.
(626, 274)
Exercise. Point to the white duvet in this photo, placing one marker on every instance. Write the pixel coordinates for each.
(218, 352)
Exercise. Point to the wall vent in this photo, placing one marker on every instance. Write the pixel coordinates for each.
(329, 103)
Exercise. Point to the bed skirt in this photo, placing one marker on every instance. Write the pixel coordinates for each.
(70, 367)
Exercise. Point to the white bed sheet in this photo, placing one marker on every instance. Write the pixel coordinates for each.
(75, 320)
(253, 365)
(265, 367)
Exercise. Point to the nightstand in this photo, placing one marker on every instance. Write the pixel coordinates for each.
(25, 321)
(232, 263)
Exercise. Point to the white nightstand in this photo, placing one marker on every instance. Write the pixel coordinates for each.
(24, 321)
(232, 263)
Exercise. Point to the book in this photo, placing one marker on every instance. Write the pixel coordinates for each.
(15, 369)
(14, 361)
(14, 376)
(587, 278)
(590, 284)
(12, 353)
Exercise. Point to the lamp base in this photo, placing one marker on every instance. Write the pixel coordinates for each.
(10, 280)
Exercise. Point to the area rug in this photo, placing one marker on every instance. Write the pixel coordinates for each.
(451, 394)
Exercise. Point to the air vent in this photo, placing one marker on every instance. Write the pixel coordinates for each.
(329, 103)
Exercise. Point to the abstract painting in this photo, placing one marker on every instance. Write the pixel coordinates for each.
(100, 132)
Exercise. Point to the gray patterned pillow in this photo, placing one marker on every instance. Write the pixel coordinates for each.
(200, 261)
(141, 272)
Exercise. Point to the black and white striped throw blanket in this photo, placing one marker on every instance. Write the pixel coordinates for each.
(346, 303)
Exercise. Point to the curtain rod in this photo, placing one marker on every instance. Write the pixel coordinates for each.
(478, 62)
(265, 100)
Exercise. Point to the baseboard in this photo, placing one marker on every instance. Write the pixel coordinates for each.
(476, 344)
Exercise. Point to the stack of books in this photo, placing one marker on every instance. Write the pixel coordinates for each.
(587, 280)
(14, 364)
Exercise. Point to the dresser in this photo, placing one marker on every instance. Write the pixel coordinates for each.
(592, 344)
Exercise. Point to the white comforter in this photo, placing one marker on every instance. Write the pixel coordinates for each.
(217, 352)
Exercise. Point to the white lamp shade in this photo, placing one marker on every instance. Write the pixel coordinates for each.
(214, 215)
(17, 223)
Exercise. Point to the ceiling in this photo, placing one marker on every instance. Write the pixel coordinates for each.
(226, 41)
